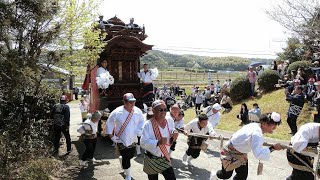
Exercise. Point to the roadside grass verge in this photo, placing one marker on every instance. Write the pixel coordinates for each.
(42, 168)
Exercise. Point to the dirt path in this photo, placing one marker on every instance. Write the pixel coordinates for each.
(108, 167)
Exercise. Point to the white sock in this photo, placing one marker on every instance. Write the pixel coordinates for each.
(120, 159)
(128, 173)
(213, 175)
(185, 157)
(138, 149)
(189, 159)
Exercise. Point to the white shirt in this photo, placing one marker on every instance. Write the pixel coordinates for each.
(308, 133)
(207, 94)
(193, 90)
(193, 125)
(85, 126)
(83, 107)
(177, 124)
(145, 77)
(101, 70)
(133, 129)
(148, 139)
(213, 118)
(199, 98)
(248, 138)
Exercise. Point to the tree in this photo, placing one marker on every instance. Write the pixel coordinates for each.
(33, 33)
(299, 17)
(294, 51)
(80, 40)
(302, 18)
(26, 29)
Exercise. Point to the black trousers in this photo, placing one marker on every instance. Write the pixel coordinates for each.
(173, 146)
(127, 154)
(226, 106)
(297, 174)
(168, 174)
(242, 173)
(57, 136)
(206, 102)
(194, 141)
(194, 153)
(292, 122)
(198, 107)
(316, 117)
(139, 137)
(90, 148)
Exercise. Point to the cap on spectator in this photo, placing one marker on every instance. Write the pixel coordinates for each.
(216, 106)
(311, 80)
(63, 98)
(317, 83)
(96, 115)
(128, 97)
(316, 62)
(275, 117)
(158, 103)
(296, 81)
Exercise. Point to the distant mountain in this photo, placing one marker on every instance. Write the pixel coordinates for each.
(163, 60)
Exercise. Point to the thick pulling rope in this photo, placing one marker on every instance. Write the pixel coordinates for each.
(221, 138)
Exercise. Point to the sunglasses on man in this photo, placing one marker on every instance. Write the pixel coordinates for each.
(162, 110)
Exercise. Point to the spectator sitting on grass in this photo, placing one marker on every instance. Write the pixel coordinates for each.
(226, 102)
(255, 113)
(243, 116)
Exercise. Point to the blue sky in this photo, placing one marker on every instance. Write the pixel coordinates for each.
(205, 27)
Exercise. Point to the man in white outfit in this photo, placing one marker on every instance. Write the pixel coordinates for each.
(305, 140)
(250, 137)
(199, 126)
(213, 113)
(124, 125)
(155, 139)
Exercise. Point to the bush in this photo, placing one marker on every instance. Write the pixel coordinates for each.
(298, 64)
(267, 80)
(240, 88)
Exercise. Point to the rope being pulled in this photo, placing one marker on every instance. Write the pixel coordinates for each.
(222, 138)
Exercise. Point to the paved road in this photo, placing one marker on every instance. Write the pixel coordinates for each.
(109, 168)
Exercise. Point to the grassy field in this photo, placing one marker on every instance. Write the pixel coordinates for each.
(270, 102)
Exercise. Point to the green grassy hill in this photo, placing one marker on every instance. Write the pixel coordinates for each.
(274, 101)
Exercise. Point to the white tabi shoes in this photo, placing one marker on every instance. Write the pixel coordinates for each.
(189, 160)
(83, 163)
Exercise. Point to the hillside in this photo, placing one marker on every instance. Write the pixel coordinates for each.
(163, 60)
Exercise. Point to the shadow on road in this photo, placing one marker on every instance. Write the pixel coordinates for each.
(213, 153)
(182, 170)
(103, 153)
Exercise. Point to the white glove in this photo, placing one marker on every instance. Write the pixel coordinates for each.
(115, 139)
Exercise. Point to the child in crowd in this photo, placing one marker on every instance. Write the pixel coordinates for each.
(88, 131)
